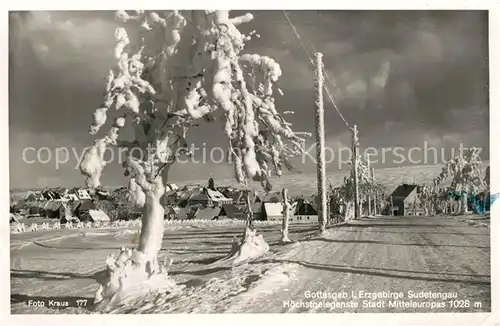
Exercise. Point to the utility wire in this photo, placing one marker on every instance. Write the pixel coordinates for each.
(330, 96)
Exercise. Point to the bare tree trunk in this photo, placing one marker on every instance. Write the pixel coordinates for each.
(286, 216)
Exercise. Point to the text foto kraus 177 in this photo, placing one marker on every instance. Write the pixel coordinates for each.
(58, 304)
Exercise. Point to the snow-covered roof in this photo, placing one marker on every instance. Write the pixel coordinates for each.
(38, 204)
(276, 209)
(52, 205)
(216, 195)
(236, 211)
(205, 213)
(34, 195)
(98, 215)
(171, 187)
(303, 207)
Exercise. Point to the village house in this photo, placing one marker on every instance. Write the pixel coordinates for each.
(81, 194)
(274, 211)
(102, 194)
(35, 208)
(208, 197)
(404, 201)
(83, 208)
(70, 196)
(54, 209)
(51, 194)
(305, 212)
(178, 213)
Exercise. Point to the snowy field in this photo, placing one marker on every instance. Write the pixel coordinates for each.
(62, 264)
(440, 254)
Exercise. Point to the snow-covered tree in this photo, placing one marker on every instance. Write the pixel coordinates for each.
(171, 70)
(428, 197)
(342, 197)
(367, 185)
(465, 171)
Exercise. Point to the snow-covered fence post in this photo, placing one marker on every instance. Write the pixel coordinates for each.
(320, 141)
(286, 216)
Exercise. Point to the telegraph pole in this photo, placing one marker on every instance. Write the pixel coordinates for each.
(320, 140)
(369, 190)
(375, 200)
(355, 145)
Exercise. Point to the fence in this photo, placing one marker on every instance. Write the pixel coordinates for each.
(21, 227)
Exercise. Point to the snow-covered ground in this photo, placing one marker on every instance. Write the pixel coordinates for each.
(63, 264)
(439, 254)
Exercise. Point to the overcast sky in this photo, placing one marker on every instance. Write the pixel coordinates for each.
(403, 77)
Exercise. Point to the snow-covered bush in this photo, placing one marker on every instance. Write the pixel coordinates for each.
(33, 227)
(18, 227)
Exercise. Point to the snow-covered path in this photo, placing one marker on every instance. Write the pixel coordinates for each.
(392, 254)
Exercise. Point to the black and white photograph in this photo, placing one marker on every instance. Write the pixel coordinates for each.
(249, 161)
